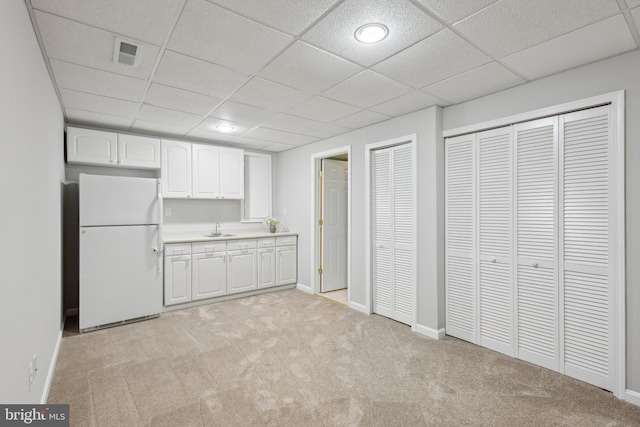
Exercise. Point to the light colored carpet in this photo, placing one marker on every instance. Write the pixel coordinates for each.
(292, 359)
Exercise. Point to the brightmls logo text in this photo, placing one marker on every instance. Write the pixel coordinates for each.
(36, 415)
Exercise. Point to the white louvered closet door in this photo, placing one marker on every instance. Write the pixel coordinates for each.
(587, 291)
(393, 233)
(460, 237)
(536, 242)
(495, 296)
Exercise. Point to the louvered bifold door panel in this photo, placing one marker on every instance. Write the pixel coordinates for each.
(460, 243)
(403, 234)
(536, 242)
(382, 229)
(494, 239)
(587, 293)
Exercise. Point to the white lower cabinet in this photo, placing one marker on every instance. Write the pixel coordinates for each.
(286, 260)
(209, 270)
(242, 267)
(266, 263)
(177, 279)
(202, 270)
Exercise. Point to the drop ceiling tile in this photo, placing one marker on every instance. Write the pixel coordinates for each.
(180, 119)
(209, 125)
(250, 143)
(632, 3)
(453, 11)
(90, 80)
(89, 118)
(366, 89)
(308, 68)
(214, 34)
(293, 124)
(278, 147)
(98, 104)
(635, 14)
(299, 14)
(494, 78)
(158, 129)
(406, 22)
(421, 64)
(270, 135)
(269, 95)
(144, 20)
(361, 119)
(323, 109)
(203, 77)
(598, 41)
(206, 136)
(509, 26)
(297, 139)
(84, 45)
(248, 115)
(413, 101)
(179, 99)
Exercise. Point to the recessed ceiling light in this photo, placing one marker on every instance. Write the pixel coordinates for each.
(371, 33)
(224, 128)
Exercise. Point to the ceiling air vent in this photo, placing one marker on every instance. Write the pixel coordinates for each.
(127, 52)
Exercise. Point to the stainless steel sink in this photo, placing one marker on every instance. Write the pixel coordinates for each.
(218, 235)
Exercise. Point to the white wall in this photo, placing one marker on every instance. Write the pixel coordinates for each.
(293, 184)
(622, 72)
(30, 218)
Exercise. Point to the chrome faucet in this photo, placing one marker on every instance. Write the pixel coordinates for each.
(217, 228)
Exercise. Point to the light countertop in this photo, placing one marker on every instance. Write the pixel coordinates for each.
(177, 236)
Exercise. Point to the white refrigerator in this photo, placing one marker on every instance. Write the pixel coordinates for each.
(120, 249)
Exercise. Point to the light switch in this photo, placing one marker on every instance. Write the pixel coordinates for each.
(167, 212)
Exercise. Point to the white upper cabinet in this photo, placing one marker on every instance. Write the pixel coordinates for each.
(202, 171)
(231, 173)
(256, 204)
(96, 147)
(92, 146)
(206, 171)
(176, 169)
(138, 152)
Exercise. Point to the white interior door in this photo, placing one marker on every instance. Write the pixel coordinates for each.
(460, 237)
(334, 229)
(393, 233)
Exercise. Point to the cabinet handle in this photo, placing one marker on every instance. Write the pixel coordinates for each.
(110, 160)
(119, 162)
(224, 258)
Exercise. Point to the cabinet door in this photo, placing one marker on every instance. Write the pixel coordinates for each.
(286, 265)
(206, 171)
(138, 152)
(241, 270)
(231, 173)
(176, 169)
(91, 146)
(177, 279)
(266, 267)
(209, 275)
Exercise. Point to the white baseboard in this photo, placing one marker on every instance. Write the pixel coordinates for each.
(304, 288)
(632, 397)
(429, 332)
(52, 368)
(358, 307)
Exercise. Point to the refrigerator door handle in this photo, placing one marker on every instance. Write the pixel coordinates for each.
(160, 248)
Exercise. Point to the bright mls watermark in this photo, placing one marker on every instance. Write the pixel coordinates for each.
(34, 415)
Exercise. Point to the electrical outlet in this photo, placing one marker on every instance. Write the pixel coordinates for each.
(167, 211)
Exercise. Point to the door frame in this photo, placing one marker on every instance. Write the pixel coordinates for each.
(368, 149)
(315, 216)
